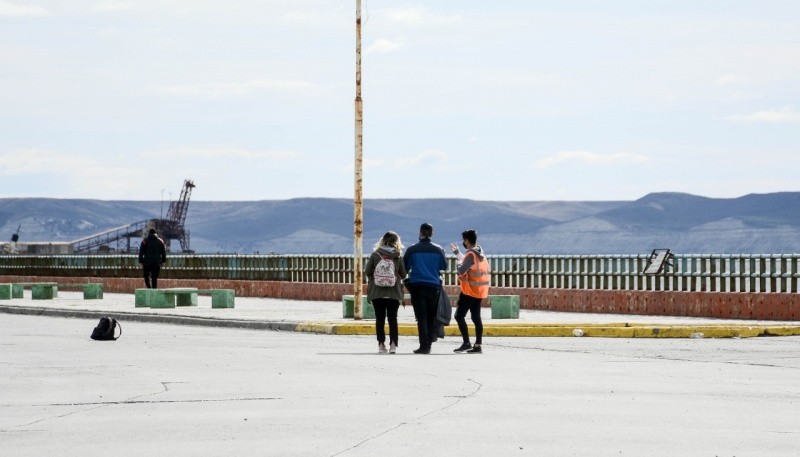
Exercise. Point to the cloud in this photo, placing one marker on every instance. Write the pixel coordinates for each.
(234, 89)
(422, 16)
(589, 158)
(727, 80)
(8, 9)
(384, 46)
(42, 161)
(306, 17)
(219, 152)
(77, 176)
(111, 7)
(783, 116)
(433, 156)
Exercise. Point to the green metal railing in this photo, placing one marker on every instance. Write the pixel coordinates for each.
(688, 272)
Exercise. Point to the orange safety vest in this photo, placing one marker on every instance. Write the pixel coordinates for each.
(475, 282)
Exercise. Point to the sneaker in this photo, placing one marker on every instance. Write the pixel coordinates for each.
(381, 348)
(463, 347)
(392, 348)
(422, 351)
(475, 350)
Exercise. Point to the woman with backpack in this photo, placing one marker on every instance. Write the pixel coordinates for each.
(385, 271)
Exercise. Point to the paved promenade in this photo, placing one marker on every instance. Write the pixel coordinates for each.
(182, 390)
(326, 317)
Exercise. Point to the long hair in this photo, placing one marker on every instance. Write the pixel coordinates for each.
(392, 239)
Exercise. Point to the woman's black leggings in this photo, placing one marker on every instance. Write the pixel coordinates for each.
(384, 306)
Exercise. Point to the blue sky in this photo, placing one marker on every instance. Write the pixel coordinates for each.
(507, 100)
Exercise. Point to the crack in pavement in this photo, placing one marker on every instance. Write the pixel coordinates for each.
(659, 358)
(459, 399)
(130, 401)
(140, 402)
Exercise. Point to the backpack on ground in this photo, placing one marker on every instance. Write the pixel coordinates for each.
(385, 274)
(106, 328)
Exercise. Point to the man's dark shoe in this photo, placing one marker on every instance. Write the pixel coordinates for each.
(463, 347)
(422, 351)
(475, 350)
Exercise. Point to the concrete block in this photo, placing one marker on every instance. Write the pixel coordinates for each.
(160, 298)
(151, 298)
(222, 298)
(184, 296)
(140, 298)
(367, 310)
(17, 291)
(92, 291)
(5, 291)
(44, 291)
(505, 306)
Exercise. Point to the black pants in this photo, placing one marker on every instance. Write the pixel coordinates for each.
(473, 305)
(151, 271)
(384, 306)
(425, 300)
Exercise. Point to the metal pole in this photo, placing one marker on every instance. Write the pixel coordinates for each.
(358, 211)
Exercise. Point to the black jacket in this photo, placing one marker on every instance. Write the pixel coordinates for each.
(152, 250)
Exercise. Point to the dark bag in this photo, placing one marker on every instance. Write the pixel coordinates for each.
(444, 312)
(106, 328)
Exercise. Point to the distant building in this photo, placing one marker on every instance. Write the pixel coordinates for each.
(44, 248)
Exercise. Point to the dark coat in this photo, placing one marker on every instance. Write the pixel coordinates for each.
(152, 250)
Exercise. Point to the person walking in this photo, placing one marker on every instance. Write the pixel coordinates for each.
(474, 277)
(384, 271)
(424, 262)
(152, 255)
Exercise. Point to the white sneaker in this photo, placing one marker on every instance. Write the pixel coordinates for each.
(392, 348)
(381, 348)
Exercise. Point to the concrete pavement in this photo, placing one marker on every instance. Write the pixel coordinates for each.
(177, 390)
(326, 317)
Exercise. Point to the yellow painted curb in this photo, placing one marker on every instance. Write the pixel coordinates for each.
(611, 330)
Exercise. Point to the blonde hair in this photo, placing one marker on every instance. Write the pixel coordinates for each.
(392, 239)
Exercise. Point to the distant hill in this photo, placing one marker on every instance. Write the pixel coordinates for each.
(756, 223)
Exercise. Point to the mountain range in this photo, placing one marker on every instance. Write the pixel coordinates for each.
(684, 223)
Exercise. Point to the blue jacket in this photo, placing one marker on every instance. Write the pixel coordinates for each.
(424, 261)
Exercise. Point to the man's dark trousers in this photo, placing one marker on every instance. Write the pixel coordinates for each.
(151, 271)
(425, 300)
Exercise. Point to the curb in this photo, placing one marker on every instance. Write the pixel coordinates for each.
(510, 329)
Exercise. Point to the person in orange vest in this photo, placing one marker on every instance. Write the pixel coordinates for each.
(474, 276)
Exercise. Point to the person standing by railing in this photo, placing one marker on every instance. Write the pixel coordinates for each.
(152, 255)
(424, 262)
(385, 271)
(474, 276)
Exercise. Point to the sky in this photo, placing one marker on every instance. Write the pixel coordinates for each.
(489, 100)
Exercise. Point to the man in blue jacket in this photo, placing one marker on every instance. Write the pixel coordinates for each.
(425, 261)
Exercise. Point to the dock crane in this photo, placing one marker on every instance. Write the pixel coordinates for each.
(172, 227)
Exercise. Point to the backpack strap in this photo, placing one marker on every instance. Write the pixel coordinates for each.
(117, 324)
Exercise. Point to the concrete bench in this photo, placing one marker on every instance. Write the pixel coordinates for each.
(49, 290)
(91, 290)
(39, 290)
(44, 291)
(182, 296)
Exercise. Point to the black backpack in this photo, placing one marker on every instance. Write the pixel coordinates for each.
(106, 328)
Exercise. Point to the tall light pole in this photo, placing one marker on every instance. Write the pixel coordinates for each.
(358, 210)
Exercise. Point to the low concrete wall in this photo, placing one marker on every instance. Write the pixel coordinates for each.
(728, 305)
